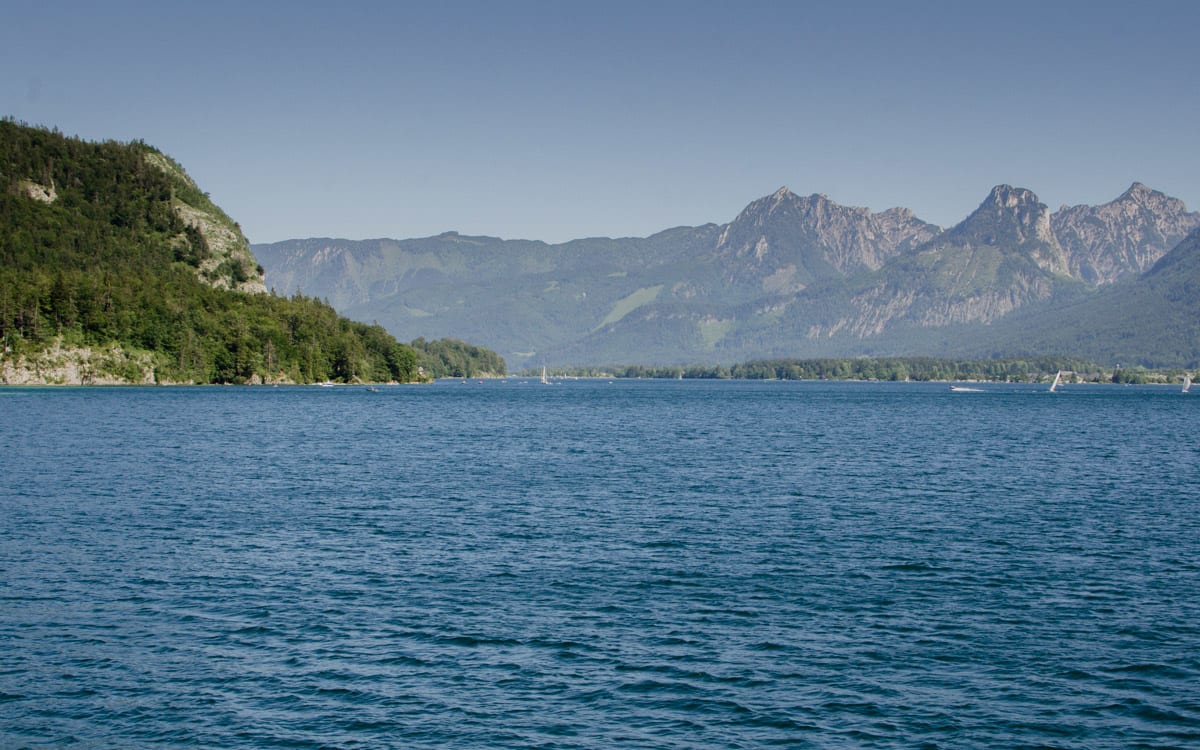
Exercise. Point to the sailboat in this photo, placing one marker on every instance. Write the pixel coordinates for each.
(545, 381)
(1057, 381)
(1187, 382)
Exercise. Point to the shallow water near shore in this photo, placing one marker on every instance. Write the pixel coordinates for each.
(634, 564)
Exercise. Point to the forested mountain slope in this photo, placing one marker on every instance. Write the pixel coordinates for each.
(115, 267)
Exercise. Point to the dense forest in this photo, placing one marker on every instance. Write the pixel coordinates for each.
(450, 358)
(95, 251)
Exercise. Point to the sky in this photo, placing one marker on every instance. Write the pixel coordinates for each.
(559, 120)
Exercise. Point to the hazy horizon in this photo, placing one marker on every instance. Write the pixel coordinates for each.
(550, 122)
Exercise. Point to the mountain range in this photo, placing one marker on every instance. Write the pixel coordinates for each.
(791, 276)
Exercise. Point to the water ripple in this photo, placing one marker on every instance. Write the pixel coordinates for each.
(645, 565)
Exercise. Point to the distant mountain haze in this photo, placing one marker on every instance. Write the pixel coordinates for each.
(790, 276)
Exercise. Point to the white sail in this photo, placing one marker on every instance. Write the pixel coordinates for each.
(545, 381)
(1057, 381)
(1187, 382)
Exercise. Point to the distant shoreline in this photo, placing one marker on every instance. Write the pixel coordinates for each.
(85, 368)
(896, 369)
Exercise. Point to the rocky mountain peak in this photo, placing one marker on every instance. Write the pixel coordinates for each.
(784, 202)
(1007, 196)
(789, 240)
(1123, 237)
(783, 194)
(1141, 195)
(1137, 191)
(1014, 220)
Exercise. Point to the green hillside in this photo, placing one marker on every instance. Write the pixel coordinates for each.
(450, 358)
(111, 256)
(1153, 320)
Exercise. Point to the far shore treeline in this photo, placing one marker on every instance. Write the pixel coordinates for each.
(1010, 370)
(110, 247)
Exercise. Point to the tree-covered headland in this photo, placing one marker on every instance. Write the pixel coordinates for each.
(110, 253)
(451, 358)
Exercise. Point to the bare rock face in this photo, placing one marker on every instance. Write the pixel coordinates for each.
(39, 192)
(1124, 237)
(1000, 258)
(806, 239)
(1012, 219)
(232, 264)
(902, 231)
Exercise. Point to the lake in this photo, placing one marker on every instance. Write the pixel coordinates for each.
(595, 564)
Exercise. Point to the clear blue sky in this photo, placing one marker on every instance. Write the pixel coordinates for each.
(554, 120)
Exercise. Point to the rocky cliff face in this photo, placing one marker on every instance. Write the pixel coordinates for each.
(1014, 220)
(1153, 318)
(323, 268)
(785, 242)
(1000, 258)
(231, 264)
(1124, 237)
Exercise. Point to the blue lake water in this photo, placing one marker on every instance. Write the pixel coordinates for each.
(638, 564)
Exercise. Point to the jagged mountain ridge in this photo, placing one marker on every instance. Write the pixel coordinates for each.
(1001, 257)
(1123, 237)
(785, 242)
(789, 276)
(998, 260)
(1011, 219)
(1153, 319)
